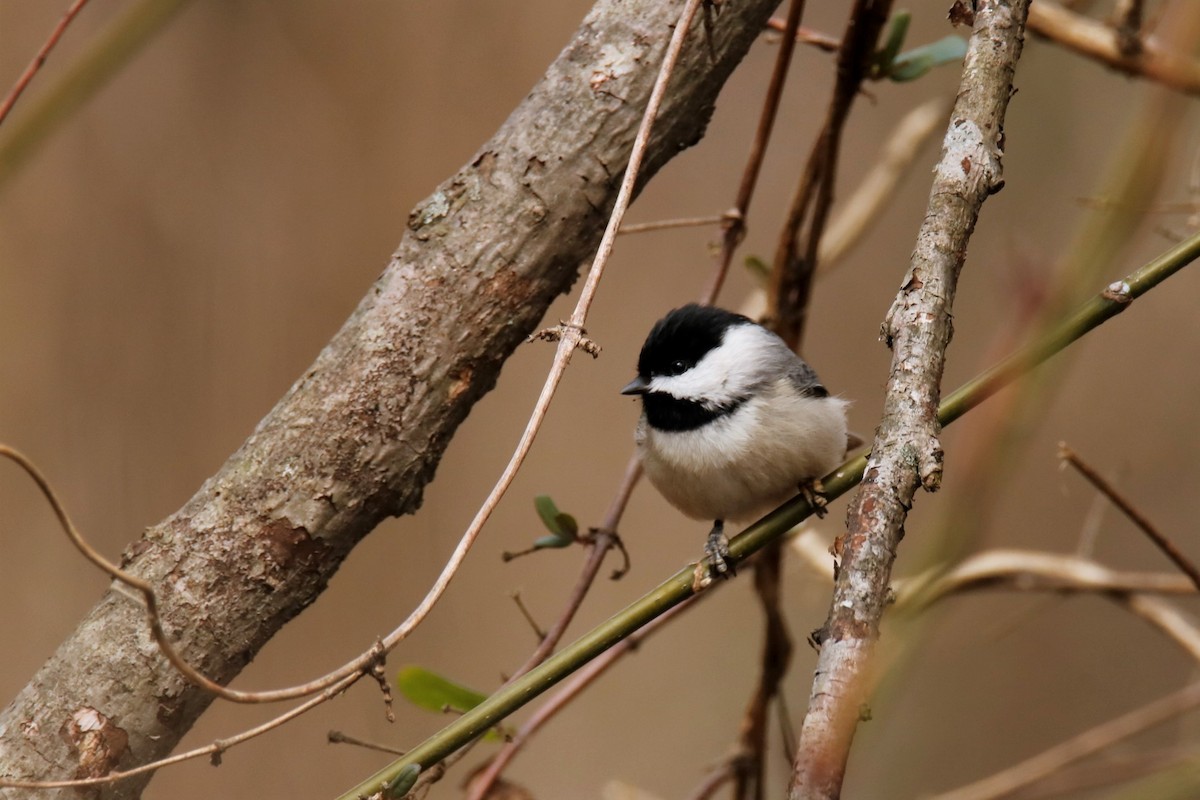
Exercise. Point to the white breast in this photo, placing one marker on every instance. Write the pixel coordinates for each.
(744, 464)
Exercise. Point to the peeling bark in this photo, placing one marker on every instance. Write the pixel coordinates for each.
(360, 434)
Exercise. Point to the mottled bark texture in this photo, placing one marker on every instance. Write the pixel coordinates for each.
(907, 452)
(360, 434)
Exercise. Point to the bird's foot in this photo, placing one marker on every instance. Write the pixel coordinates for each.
(716, 549)
(814, 492)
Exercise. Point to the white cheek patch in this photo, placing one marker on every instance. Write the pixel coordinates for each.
(726, 373)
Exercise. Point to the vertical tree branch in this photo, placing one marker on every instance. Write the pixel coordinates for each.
(907, 452)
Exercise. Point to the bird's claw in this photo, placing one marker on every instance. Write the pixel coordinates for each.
(814, 493)
(716, 549)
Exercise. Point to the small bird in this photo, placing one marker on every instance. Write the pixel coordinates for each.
(733, 422)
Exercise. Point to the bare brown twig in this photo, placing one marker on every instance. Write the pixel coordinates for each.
(1161, 541)
(819, 40)
(1089, 742)
(337, 737)
(790, 290)
(717, 777)
(39, 59)
(796, 254)
(667, 224)
(1116, 767)
(746, 768)
(735, 228)
(749, 769)
(533, 624)
(1098, 41)
(1032, 571)
(1046, 572)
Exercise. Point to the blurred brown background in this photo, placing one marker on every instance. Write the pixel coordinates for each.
(177, 255)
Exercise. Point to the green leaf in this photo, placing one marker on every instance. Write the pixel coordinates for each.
(426, 689)
(567, 524)
(403, 783)
(895, 40)
(916, 62)
(429, 690)
(553, 540)
(552, 518)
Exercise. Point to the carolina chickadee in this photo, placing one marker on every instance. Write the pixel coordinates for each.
(733, 422)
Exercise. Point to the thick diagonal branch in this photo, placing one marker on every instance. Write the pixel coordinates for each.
(358, 437)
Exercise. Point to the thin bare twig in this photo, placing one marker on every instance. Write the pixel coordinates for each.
(717, 777)
(819, 40)
(1161, 541)
(1116, 768)
(39, 59)
(1026, 571)
(1033, 571)
(667, 224)
(1167, 617)
(597, 550)
(537, 629)
(102, 57)
(337, 737)
(749, 769)
(795, 260)
(1089, 742)
(790, 291)
(788, 297)
(748, 764)
(735, 228)
(1153, 61)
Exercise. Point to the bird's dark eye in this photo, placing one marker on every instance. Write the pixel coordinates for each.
(678, 367)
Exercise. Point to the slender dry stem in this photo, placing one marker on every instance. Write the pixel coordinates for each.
(1098, 41)
(38, 60)
(1161, 540)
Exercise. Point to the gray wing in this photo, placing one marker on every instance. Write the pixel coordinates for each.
(805, 379)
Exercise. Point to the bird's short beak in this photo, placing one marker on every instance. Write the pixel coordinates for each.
(638, 385)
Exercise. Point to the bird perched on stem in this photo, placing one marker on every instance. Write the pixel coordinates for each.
(733, 422)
